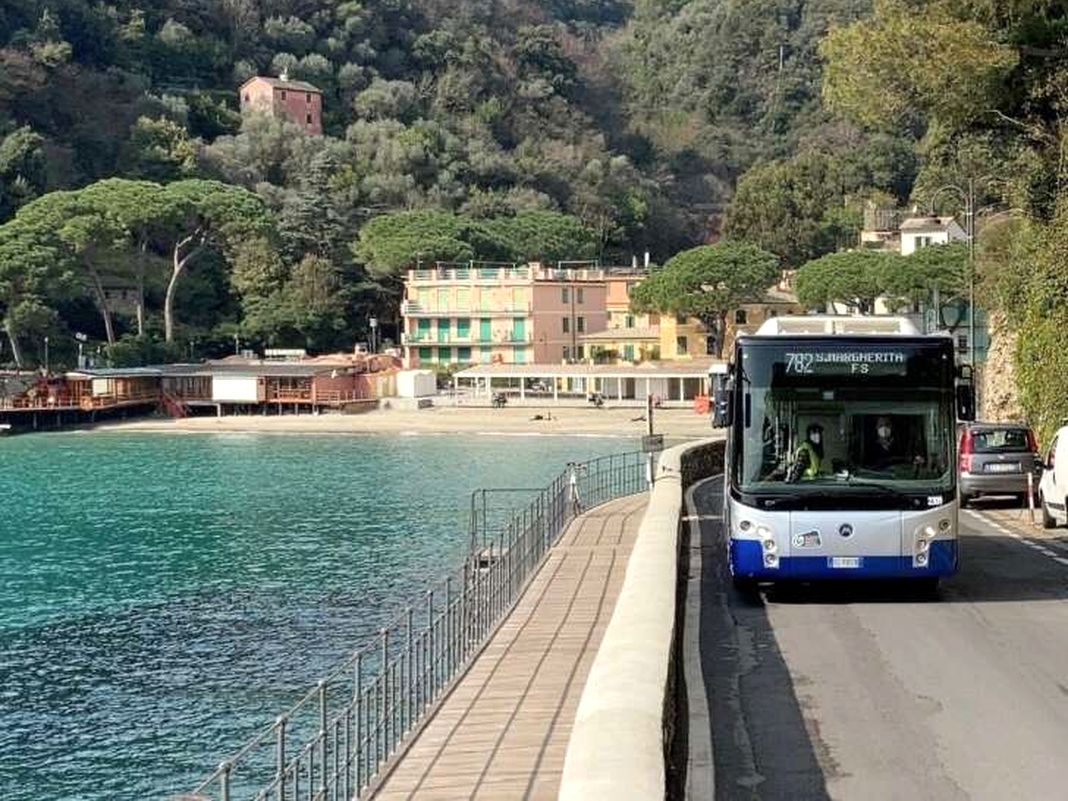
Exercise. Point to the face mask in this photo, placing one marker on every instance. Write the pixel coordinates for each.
(884, 432)
(815, 439)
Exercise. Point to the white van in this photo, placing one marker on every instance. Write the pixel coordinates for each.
(1053, 487)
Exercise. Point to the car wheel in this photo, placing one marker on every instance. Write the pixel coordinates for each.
(1047, 518)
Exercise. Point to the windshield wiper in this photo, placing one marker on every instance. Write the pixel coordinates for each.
(875, 485)
(771, 503)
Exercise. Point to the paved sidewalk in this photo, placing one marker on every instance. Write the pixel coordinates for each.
(503, 732)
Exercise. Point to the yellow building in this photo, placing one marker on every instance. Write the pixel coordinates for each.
(682, 337)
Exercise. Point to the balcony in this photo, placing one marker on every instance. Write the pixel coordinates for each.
(414, 309)
(470, 274)
(453, 340)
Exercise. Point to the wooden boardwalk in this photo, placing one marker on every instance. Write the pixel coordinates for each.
(503, 732)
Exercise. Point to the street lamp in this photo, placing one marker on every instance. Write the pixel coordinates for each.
(968, 197)
(46, 355)
(373, 323)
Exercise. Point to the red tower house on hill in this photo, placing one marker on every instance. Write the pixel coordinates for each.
(297, 102)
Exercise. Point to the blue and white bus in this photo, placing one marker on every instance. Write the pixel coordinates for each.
(841, 450)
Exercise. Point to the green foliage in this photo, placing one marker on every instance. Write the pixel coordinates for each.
(162, 150)
(1033, 286)
(394, 242)
(916, 278)
(22, 169)
(854, 278)
(917, 59)
(812, 204)
(707, 282)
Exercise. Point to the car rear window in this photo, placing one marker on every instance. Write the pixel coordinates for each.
(999, 439)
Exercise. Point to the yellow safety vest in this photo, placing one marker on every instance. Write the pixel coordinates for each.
(814, 460)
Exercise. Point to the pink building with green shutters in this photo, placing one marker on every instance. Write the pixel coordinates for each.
(501, 314)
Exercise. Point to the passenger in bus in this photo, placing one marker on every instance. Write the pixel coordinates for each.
(808, 461)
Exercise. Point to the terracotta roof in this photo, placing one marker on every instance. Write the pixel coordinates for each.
(612, 334)
(278, 83)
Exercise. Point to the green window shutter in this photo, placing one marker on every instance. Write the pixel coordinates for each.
(485, 330)
(444, 355)
(443, 330)
(463, 328)
(425, 354)
(463, 355)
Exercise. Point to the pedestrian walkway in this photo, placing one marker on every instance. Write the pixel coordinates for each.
(503, 732)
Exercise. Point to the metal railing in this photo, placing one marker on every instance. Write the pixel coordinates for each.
(332, 744)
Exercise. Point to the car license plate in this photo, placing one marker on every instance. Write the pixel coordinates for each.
(1009, 467)
(845, 562)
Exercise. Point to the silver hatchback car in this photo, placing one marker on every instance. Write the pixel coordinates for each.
(995, 459)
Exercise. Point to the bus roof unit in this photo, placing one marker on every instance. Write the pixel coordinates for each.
(837, 324)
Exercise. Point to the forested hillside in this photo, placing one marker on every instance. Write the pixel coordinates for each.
(500, 129)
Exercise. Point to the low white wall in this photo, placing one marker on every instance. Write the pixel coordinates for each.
(616, 750)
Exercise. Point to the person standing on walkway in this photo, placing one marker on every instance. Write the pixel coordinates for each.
(573, 495)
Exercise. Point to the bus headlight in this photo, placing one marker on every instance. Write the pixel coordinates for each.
(744, 526)
(771, 560)
(763, 532)
(921, 559)
(923, 545)
(929, 532)
(944, 525)
(770, 546)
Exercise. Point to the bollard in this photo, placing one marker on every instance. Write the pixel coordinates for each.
(1031, 495)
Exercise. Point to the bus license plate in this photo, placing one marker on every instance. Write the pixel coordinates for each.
(847, 562)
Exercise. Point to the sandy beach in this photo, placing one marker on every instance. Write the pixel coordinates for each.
(675, 424)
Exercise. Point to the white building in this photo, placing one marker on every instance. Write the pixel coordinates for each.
(921, 232)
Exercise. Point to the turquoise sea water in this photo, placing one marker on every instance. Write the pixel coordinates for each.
(163, 596)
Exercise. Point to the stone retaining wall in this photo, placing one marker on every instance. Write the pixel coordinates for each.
(623, 727)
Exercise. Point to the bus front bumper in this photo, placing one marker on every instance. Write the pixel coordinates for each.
(747, 562)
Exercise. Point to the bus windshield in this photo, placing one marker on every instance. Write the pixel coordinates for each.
(813, 413)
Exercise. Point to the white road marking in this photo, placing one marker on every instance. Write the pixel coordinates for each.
(1034, 545)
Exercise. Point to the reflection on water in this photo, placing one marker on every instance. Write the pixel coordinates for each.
(162, 597)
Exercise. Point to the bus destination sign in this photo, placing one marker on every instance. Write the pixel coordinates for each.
(858, 363)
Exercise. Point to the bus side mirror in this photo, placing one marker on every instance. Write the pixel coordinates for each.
(966, 402)
(722, 395)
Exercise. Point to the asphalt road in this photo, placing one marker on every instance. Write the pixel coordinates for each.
(873, 691)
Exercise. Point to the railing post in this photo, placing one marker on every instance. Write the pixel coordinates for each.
(430, 667)
(448, 648)
(409, 684)
(385, 722)
(357, 690)
(280, 756)
(323, 760)
(224, 781)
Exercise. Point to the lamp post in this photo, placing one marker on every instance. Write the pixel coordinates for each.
(46, 355)
(968, 197)
(373, 323)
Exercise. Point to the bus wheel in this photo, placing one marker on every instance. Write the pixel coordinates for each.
(1047, 518)
(744, 586)
(927, 587)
